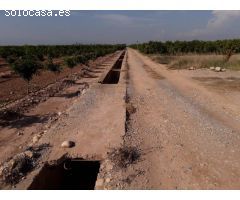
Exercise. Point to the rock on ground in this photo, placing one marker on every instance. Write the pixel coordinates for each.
(68, 144)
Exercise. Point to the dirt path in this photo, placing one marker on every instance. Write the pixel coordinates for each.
(187, 135)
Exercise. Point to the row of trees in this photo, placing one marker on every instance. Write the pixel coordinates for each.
(55, 51)
(196, 46)
(28, 60)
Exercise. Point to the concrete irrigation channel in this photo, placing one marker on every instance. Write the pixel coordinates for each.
(95, 122)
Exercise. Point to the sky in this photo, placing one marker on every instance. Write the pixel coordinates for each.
(119, 27)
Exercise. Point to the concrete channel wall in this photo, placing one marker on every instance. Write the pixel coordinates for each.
(95, 122)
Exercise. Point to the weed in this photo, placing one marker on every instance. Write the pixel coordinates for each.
(18, 166)
(125, 156)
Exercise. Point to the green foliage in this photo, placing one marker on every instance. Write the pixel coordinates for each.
(25, 60)
(82, 59)
(55, 68)
(26, 67)
(70, 62)
(184, 47)
(56, 51)
(11, 59)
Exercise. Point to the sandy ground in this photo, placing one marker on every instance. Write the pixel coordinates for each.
(187, 132)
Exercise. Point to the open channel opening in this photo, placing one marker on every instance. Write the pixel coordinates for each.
(113, 75)
(71, 174)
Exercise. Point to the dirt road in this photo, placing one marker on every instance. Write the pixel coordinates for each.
(188, 136)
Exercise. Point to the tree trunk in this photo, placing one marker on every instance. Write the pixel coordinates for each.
(229, 55)
(28, 85)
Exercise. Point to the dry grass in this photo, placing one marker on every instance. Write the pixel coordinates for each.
(19, 165)
(124, 156)
(198, 61)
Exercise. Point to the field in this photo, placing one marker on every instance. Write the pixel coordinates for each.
(198, 61)
(52, 64)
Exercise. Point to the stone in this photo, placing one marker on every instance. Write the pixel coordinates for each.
(42, 132)
(83, 91)
(47, 126)
(30, 154)
(99, 182)
(68, 144)
(35, 138)
(59, 113)
(108, 180)
(223, 70)
(20, 133)
(217, 69)
(202, 164)
(109, 167)
(212, 68)
(1, 171)
(191, 68)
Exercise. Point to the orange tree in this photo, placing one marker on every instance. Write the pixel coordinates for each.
(26, 67)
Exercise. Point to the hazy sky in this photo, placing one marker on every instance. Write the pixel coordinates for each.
(119, 27)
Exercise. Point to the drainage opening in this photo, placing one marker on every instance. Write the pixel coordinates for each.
(113, 75)
(71, 174)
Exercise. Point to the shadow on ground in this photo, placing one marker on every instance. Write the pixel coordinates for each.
(13, 119)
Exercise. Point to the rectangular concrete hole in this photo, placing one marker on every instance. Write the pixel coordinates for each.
(118, 64)
(113, 75)
(71, 174)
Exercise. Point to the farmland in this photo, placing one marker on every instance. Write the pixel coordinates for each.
(46, 65)
(198, 61)
(195, 46)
